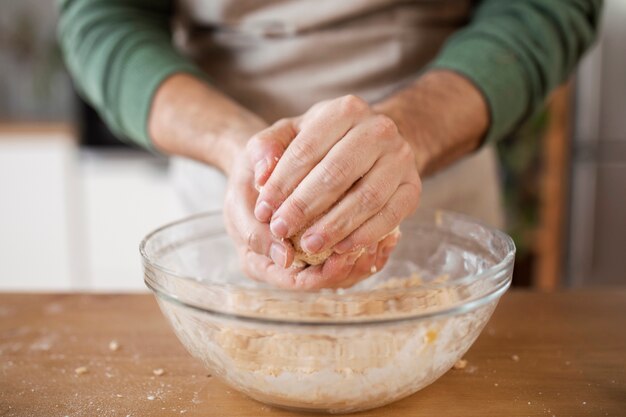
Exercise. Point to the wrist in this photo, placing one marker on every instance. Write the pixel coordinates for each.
(442, 115)
(231, 143)
(191, 119)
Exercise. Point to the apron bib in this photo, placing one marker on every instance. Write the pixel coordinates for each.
(278, 58)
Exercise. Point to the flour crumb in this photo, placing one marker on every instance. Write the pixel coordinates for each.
(81, 370)
(515, 358)
(158, 371)
(460, 364)
(114, 346)
(373, 269)
(151, 397)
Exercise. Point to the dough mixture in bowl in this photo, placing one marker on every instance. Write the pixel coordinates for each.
(327, 367)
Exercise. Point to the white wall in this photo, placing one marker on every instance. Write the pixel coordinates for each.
(73, 220)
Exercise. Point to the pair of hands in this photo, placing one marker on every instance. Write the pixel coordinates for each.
(343, 172)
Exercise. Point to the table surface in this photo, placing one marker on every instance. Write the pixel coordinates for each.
(560, 354)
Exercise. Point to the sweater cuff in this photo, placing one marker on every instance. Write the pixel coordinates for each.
(496, 72)
(145, 70)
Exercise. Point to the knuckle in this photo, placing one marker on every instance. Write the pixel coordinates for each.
(286, 125)
(253, 240)
(253, 144)
(392, 214)
(298, 206)
(406, 152)
(258, 138)
(384, 126)
(362, 238)
(335, 172)
(337, 227)
(302, 150)
(273, 191)
(285, 121)
(369, 197)
(351, 104)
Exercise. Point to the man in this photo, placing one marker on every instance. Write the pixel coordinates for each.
(332, 110)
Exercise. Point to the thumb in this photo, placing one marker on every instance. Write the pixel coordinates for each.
(266, 147)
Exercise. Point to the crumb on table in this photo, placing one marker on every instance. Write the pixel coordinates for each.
(460, 364)
(114, 345)
(81, 370)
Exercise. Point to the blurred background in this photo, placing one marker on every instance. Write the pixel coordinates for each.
(75, 202)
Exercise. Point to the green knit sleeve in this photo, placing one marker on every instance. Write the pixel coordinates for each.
(517, 51)
(119, 52)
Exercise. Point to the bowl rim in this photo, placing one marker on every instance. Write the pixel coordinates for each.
(493, 273)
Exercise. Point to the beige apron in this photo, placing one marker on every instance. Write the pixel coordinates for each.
(278, 58)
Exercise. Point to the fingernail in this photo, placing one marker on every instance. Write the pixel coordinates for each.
(279, 227)
(312, 243)
(259, 169)
(263, 211)
(371, 249)
(278, 254)
(343, 247)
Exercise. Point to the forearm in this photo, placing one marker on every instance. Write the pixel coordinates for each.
(190, 118)
(442, 115)
(517, 52)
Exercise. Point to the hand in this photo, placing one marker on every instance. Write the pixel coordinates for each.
(341, 170)
(263, 256)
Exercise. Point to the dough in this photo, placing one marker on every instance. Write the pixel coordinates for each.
(334, 368)
(301, 258)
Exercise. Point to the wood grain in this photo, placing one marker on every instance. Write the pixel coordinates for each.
(561, 354)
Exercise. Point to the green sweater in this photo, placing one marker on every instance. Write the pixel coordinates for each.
(514, 51)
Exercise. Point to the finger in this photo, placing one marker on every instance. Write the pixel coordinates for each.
(364, 266)
(333, 272)
(372, 260)
(260, 240)
(316, 136)
(366, 198)
(346, 163)
(261, 268)
(255, 235)
(385, 248)
(266, 147)
(334, 269)
(402, 203)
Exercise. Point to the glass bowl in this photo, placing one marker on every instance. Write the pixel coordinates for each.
(333, 351)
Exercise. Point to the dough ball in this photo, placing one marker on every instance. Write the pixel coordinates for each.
(301, 258)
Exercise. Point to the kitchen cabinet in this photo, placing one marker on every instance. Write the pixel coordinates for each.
(39, 235)
(72, 219)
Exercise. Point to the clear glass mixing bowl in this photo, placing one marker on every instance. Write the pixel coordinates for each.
(335, 351)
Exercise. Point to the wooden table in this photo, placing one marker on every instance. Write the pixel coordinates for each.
(562, 354)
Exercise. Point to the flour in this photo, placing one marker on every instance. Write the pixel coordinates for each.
(335, 368)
